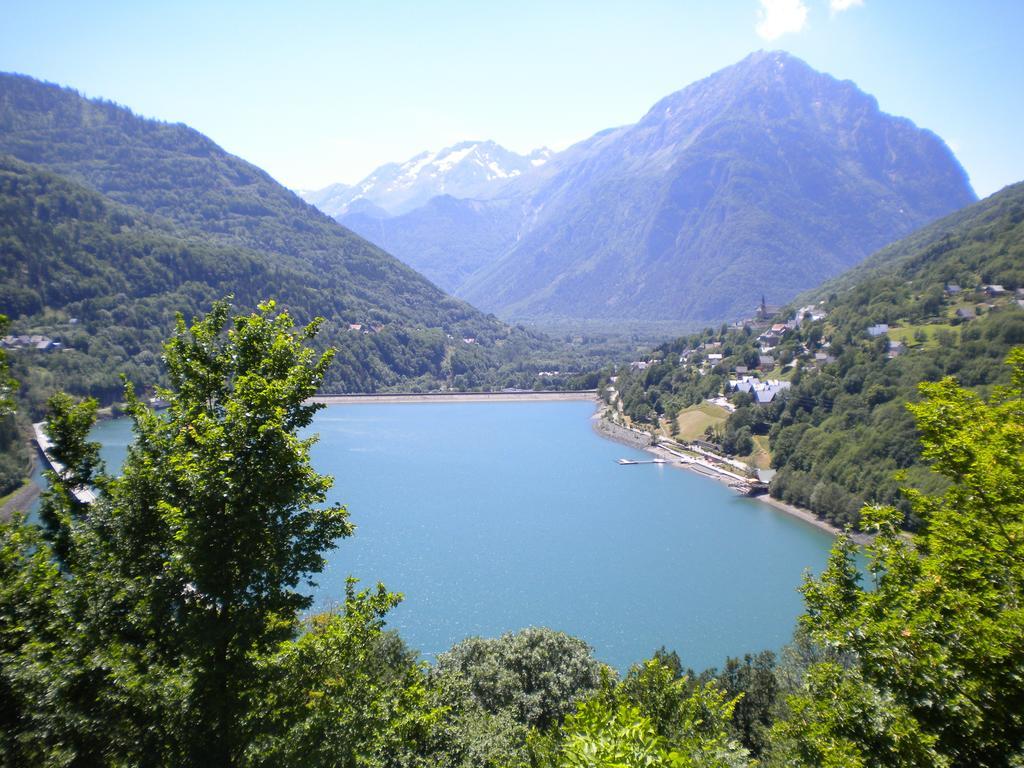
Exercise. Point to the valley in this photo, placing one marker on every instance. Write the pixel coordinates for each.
(493, 386)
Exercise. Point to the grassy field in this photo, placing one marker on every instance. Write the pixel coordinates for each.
(906, 333)
(761, 457)
(697, 418)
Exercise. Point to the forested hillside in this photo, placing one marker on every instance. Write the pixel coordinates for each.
(104, 282)
(944, 302)
(181, 222)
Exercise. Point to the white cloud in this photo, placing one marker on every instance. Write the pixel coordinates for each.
(838, 6)
(780, 17)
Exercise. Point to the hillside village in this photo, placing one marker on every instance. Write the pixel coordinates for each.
(727, 394)
(34, 341)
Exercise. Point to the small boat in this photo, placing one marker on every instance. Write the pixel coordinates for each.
(628, 461)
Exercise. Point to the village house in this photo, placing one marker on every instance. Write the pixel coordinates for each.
(878, 330)
(810, 312)
(896, 348)
(34, 341)
(763, 392)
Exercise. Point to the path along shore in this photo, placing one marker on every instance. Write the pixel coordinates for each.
(642, 440)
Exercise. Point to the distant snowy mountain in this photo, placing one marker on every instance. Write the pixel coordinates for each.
(765, 178)
(470, 169)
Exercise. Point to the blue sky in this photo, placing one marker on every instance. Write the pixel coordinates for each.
(316, 92)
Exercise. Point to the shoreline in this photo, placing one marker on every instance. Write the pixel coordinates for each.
(634, 439)
(809, 517)
(454, 397)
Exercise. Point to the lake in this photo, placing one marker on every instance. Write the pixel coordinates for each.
(491, 517)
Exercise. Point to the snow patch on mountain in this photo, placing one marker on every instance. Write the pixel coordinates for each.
(468, 170)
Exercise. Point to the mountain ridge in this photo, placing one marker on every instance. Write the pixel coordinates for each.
(765, 177)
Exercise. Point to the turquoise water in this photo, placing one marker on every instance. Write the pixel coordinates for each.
(490, 517)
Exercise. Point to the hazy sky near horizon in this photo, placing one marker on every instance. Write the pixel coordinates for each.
(317, 92)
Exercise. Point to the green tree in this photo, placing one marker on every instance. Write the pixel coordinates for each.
(343, 694)
(233, 528)
(930, 666)
(189, 570)
(652, 718)
(537, 675)
(752, 682)
(28, 580)
(78, 457)
(13, 457)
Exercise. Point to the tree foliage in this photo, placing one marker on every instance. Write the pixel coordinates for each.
(935, 645)
(537, 674)
(13, 456)
(189, 570)
(651, 718)
(343, 694)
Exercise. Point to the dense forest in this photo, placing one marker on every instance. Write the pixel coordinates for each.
(160, 624)
(943, 303)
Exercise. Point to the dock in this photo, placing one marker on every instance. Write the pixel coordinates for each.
(84, 495)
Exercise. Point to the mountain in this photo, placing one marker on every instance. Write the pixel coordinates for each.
(471, 169)
(189, 219)
(766, 178)
(466, 235)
